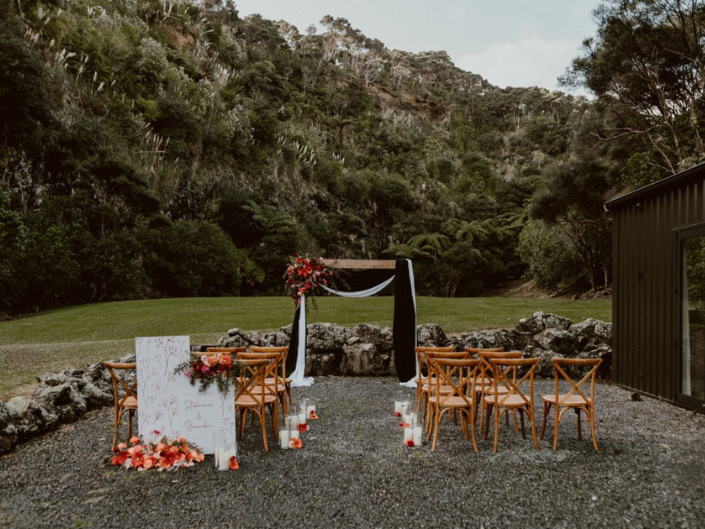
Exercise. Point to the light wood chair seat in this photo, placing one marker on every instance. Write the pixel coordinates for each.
(511, 401)
(130, 403)
(248, 402)
(565, 400)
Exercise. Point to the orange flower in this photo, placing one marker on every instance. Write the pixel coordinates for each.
(199, 457)
(295, 443)
(114, 461)
(149, 462)
(134, 440)
(303, 427)
(313, 415)
(234, 465)
(409, 443)
(227, 360)
(137, 461)
(122, 457)
(122, 446)
(160, 447)
(404, 425)
(181, 440)
(135, 450)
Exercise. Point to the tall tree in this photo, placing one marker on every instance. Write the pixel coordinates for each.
(647, 62)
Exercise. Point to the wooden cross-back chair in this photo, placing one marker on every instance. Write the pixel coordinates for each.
(486, 382)
(514, 398)
(252, 396)
(127, 403)
(452, 392)
(423, 380)
(286, 381)
(273, 380)
(575, 399)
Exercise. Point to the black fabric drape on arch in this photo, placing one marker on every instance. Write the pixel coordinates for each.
(404, 328)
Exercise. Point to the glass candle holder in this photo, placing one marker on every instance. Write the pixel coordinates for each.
(311, 409)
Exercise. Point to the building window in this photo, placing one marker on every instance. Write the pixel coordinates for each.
(692, 257)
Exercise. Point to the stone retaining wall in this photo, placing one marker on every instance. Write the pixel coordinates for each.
(365, 350)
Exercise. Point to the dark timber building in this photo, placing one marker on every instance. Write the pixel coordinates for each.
(659, 288)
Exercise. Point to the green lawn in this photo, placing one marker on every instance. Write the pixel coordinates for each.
(78, 336)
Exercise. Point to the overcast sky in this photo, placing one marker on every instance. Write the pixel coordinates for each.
(508, 42)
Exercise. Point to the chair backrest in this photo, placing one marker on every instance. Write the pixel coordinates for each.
(421, 352)
(272, 371)
(449, 355)
(130, 391)
(559, 373)
(486, 356)
(500, 369)
(455, 374)
(250, 379)
(228, 350)
(476, 350)
(283, 350)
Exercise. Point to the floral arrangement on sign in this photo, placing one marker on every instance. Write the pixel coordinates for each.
(161, 455)
(305, 275)
(204, 370)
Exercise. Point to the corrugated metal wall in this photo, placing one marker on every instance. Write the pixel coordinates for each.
(645, 305)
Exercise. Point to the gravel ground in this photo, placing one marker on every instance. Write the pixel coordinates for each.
(354, 472)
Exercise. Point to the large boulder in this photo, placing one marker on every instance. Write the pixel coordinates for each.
(603, 332)
(430, 335)
(380, 337)
(327, 337)
(563, 342)
(65, 398)
(31, 417)
(364, 359)
(490, 340)
(8, 431)
(540, 321)
(239, 338)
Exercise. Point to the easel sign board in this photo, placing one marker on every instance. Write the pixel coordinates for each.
(170, 405)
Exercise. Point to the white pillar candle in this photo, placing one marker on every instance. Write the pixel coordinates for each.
(407, 419)
(418, 435)
(397, 406)
(404, 407)
(302, 417)
(293, 421)
(216, 454)
(284, 438)
(223, 459)
(408, 434)
(294, 434)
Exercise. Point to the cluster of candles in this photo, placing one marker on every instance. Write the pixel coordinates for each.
(224, 449)
(289, 428)
(411, 422)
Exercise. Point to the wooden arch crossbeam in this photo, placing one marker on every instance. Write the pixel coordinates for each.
(362, 264)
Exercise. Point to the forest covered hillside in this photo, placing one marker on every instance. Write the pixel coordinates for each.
(154, 148)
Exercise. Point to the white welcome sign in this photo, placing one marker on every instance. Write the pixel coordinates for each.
(170, 405)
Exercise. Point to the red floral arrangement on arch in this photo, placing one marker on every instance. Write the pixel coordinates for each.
(305, 275)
